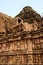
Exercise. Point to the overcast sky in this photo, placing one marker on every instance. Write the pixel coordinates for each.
(13, 7)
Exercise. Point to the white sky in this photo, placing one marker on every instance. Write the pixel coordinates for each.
(13, 7)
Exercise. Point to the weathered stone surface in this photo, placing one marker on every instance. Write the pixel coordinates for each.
(28, 17)
(30, 13)
(21, 38)
(4, 22)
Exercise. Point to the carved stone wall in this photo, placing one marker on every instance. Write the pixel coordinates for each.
(23, 50)
(21, 38)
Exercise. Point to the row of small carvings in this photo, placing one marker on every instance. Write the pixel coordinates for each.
(21, 53)
(21, 35)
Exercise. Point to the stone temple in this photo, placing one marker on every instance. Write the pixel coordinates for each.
(21, 38)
